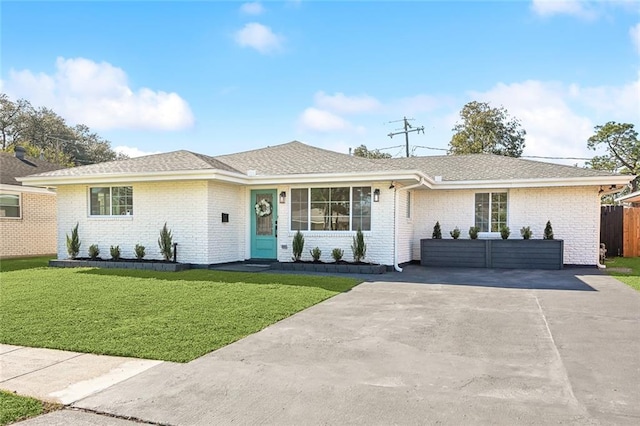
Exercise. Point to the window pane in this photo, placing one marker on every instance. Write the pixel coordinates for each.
(498, 211)
(300, 209)
(9, 205)
(482, 212)
(100, 201)
(408, 205)
(339, 213)
(320, 209)
(122, 200)
(361, 208)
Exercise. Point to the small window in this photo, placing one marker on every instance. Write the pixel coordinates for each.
(491, 211)
(111, 201)
(10, 205)
(408, 205)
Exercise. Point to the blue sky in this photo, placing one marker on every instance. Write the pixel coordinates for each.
(220, 77)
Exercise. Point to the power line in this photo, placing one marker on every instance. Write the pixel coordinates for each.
(406, 131)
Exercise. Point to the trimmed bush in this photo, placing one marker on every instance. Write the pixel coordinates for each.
(315, 254)
(297, 246)
(115, 252)
(437, 232)
(94, 251)
(337, 254)
(473, 232)
(359, 248)
(455, 234)
(526, 232)
(73, 243)
(505, 232)
(139, 250)
(548, 231)
(165, 242)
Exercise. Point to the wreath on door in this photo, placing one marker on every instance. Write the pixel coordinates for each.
(263, 208)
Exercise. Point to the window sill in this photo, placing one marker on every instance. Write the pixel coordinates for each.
(105, 217)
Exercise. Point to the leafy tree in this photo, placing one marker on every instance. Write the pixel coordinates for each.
(622, 150)
(362, 151)
(484, 129)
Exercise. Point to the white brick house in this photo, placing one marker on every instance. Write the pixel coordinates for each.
(212, 204)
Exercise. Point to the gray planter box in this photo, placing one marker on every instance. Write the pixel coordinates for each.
(506, 254)
(148, 266)
(329, 267)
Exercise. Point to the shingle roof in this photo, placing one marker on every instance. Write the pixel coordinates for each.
(12, 167)
(166, 162)
(488, 167)
(297, 158)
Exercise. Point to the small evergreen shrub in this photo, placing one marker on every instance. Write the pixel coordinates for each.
(337, 254)
(455, 234)
(358, 247)
(473, 232)
(94, 251)
(73, 243)
(165, 242)
(315, 254)
(548, 231)
(298, 246)
(505, 232)
(139, 250)
(526, 232)
(115, 252)
(437, 232)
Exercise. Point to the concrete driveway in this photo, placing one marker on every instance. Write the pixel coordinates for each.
(450, 347)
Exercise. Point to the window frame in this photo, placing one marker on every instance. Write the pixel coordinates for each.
(16, 194)
(351, 202)
(111, 188)
(490, 233)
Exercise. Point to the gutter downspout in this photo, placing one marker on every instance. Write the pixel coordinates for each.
(395, 220)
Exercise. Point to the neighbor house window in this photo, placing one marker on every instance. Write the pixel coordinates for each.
(491, 211)
(111, 200)
(331, 209)
(10, 205)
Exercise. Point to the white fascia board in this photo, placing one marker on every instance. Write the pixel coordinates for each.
(535, 183)
(630, 198)
(409, 175)
(28, 189)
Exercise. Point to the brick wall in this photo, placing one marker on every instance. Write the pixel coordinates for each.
(33, 234)
(574, 213)
(227, 241)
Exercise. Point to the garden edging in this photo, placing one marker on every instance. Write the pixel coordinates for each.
(120, 264)
(329, 268)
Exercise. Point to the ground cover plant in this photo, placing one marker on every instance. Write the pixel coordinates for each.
(15, 408)
(173, 316)
(625, 269)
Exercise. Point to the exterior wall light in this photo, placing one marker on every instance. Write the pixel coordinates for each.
(283, 197)
(376, 195)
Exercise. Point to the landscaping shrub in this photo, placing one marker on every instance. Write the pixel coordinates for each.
(505, 232)
(298, 246)
(165, 242)
(437, 232)
(526, 232)
(315, 254)
(337, 254)
(455, 234)
(94, 251)
(139, 250)
(473, 232)
(548, 231)
(73, 243)
(115, 252)
(358, 247)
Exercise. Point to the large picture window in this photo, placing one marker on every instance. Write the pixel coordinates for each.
(111, 201)
(10, 205)
(491, 211)
(331, 209)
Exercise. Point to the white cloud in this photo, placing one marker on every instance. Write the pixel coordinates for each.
(98, 95)
(559, 118)
(132, 151)
(577, 8)
(259, 37)
(634, 33)
(342, 104)
(253, 8)
(322, 121)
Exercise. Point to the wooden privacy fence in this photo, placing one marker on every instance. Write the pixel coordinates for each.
(620, 230)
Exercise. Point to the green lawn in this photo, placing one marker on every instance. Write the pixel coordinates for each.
(632, 278)
(173, 316)
(14, 408)
(26, 263)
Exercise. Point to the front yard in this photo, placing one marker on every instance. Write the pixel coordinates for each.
(14, 408)
(625, 269)
(145, 314)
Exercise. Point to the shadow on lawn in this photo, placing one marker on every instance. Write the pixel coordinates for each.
(336, 284)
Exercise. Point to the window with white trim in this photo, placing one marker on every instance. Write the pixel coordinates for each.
(491, 211)
(10, 206)
(408, 204)
(331, 209)
(111, 201)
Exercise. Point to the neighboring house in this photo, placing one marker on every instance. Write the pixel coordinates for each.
(27, 214)
(216, 208)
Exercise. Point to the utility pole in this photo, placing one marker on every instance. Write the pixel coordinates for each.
(407, 128)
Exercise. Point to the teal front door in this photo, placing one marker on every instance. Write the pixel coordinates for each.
(264, 225)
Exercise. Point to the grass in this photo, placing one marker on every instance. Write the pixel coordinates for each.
(632, 279)
(7, 265)
(173, 316)
(15, 408)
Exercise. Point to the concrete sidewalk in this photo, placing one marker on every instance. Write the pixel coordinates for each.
(61, 376)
